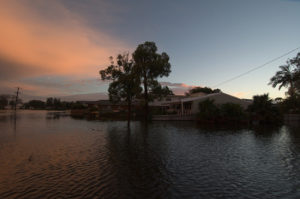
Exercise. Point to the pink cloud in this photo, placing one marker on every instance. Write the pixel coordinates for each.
(61, 45)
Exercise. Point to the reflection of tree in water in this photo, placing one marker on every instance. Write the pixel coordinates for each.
(139, 170)
(13, 118)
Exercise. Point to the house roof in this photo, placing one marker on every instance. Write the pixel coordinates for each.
(200, 97)
(190, 99)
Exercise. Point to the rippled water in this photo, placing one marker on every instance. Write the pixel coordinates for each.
(46, 156)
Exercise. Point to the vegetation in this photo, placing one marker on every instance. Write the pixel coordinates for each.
(137, 77)
(224, 113)
(35, 104)
(51, 104)
(263, 110)
(3, 101)
(285, 77)
(208, 110)
(289, 76)
(205, 90)
(158, 91)
(296, 63)
(232, 112)
(125, 85)
(149, 66)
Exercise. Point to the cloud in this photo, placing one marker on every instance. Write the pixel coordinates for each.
(45, 38)
(178, 88)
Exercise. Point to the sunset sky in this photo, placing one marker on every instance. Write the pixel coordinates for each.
(57, 47)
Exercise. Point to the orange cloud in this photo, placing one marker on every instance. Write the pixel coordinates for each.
(60, 44)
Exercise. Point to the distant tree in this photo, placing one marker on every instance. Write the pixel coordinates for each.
(149, 66)
(205, 90)
(36, 104)
(125, 83)
(56, 103)
(3, 101)
(77, 105)
(49, 102)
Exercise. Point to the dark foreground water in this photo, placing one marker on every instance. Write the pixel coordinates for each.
(46, 156)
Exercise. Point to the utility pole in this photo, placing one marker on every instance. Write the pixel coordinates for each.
(17, 96)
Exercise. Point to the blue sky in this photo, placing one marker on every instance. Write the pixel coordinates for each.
(208, 42)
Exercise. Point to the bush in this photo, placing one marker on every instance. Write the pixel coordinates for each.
(231, 111)
(208, 110)
(263, 111)
(228, 112)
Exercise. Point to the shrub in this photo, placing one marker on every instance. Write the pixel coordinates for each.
(208, 110)
(232, 111)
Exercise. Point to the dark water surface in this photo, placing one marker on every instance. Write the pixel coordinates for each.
(46, 156)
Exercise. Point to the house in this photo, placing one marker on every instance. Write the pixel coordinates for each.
(190, 105)
(162, 105)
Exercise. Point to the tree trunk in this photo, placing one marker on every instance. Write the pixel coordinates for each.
(129, 113)
(292, 89)
(146, 98)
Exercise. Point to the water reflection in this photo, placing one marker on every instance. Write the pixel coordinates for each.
(48, 155)
(137, 168)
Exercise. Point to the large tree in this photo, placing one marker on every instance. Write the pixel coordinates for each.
(125, 84)
(296, 62)
(150, 65)
(285, 77)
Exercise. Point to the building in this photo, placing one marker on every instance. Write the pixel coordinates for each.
(190, 105)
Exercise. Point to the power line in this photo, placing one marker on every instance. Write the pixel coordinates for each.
(256, 68)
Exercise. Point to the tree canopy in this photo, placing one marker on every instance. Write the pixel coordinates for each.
(159, 91)
(150, 65)
(288, 76)
(125, 84)
(205, 90)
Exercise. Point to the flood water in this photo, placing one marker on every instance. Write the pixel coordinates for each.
(43, 155)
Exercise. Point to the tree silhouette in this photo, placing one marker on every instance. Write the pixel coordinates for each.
(284, 78)
(149, 66)
(158, 91)
(205, 90)
(288, 76)
(296, 62)
(125, 84)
